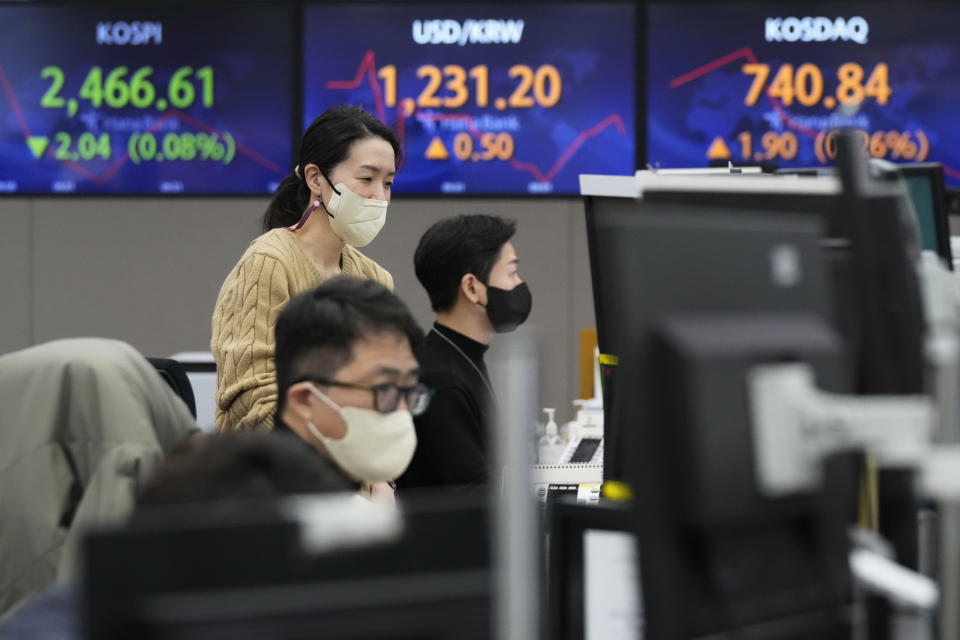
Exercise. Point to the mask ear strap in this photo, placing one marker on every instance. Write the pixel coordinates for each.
(315, 205)
(330, 403)
(334, 190)
(312, 428)
(331, 184)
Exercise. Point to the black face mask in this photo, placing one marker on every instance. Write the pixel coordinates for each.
(508, 308)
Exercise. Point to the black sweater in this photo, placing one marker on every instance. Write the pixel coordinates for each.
(452, 432)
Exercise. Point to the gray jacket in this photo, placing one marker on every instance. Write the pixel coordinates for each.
(82, 423)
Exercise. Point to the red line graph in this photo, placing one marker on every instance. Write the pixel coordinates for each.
(102, 178)
(368, 69)
(241, 148)
(690, 76)
(367, 66)
(747, 52)
(583, 136)
(12, 99)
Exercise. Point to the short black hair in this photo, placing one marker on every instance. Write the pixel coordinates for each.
(241, 466)
(317, 330)
(454, 247)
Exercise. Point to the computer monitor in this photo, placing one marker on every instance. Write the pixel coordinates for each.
(925, 187)
(593, 572)
(183, 572)
(750, 192)
(869, 245)
(697, 296)
(679, 280)
(927, 193)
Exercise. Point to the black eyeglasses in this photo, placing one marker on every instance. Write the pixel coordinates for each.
(386, 397)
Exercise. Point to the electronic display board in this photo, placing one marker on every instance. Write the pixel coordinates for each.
(772, 82)
(107, 100)
(487, 98)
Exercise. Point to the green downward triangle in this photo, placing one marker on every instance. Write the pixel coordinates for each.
(38, 144)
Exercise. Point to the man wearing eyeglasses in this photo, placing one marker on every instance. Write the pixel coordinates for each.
(348, 381)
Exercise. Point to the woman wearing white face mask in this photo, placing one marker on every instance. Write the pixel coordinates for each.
(334, 201)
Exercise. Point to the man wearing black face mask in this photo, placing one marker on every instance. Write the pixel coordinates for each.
(469, 268)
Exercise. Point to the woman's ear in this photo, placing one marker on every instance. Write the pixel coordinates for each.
(314, 178)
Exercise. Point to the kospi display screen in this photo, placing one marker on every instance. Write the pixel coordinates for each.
(487, 98)
(772, 82)
(142, 101)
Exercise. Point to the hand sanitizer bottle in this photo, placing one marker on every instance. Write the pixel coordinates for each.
(550, 445)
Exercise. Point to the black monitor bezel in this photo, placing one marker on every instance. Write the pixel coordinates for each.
(568, 521)
(941, 219)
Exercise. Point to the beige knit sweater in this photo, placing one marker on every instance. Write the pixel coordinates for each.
(272, 270)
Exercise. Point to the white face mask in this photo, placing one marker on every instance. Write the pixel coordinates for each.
(354, 219)
(377, 447)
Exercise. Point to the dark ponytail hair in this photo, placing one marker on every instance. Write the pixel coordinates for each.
(326, 143)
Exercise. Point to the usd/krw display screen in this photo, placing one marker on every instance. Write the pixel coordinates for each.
(772, 82)
(141, 101)
(487, 98)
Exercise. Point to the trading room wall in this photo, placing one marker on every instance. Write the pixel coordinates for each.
(147, 271)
